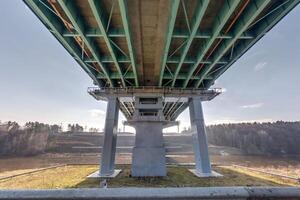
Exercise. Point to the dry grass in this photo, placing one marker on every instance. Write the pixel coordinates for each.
(75, 177)
(261, 175)
(61, 177)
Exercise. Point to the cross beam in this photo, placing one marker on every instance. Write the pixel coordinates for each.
(98, 14)
(220, 21)
(252, 11)
(260, 29)
(199, 13)
(56, 28)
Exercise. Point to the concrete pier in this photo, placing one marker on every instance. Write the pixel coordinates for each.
(107, 167)
(200, 145)
(148, 158)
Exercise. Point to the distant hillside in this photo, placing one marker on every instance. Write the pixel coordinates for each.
(258, 138)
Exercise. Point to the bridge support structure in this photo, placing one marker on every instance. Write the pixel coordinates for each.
(200, 144)
(148, 156)
(149, 112)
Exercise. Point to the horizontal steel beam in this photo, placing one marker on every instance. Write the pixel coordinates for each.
(108, 59)
(252, 11)
(78, 23)
(56, 28)
(220, 21)
(197, 18)
(115, 75)
(98, 12)
(260, 29)
(206, 35)
(183, 76)
(93, 32)
(192, 61)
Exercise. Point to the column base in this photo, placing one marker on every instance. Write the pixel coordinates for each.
(97, 174)
(200, 174)
(148, 161)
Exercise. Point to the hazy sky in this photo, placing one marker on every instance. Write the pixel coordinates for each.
(40, 81)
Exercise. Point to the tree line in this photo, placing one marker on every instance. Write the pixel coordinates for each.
(258, 138)
(38, 127)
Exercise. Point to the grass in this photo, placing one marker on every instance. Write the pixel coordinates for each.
(61, 177)
(74, 176)
(272, 178)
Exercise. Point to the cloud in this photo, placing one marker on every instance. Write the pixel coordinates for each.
(96, 112)
(256, 105)
(259, 66)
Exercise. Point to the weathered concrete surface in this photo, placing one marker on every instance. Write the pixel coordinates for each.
(233, 193)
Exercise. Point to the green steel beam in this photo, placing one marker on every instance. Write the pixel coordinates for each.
(171, 24)
(95, 32)
(98, 14)
(260, 29)
(254, 8)
(176, 60)
(124, 15)
(182, 76)
(52, 22)
(108, 59)
(115, 75)
(220, 21)
(78, 24)
(199, 13)
(207, 35)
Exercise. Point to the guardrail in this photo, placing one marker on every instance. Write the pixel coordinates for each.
(259, 193)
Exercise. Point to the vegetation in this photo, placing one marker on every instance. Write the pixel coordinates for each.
(258, 138)
(75, 177)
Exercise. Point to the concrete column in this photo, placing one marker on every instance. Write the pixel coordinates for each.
(148, 158)
(202, 161)
(107, 166)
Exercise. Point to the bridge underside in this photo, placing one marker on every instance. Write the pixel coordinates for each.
(154, 58)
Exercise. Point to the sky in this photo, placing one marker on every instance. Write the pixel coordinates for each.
(40, 81)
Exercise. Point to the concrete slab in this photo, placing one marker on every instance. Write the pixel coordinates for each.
(96, 174)
(201, 175)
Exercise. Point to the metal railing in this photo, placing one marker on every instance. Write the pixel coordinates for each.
(259, 193)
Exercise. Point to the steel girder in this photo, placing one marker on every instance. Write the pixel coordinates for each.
(252, 11)
(57, 29)
(172, 19)
(124, 15)
(220, 21)
(78, 24)
(199, 13)
(260, 29)
(98, 13)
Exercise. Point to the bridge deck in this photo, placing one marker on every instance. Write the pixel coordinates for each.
(166, 43)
